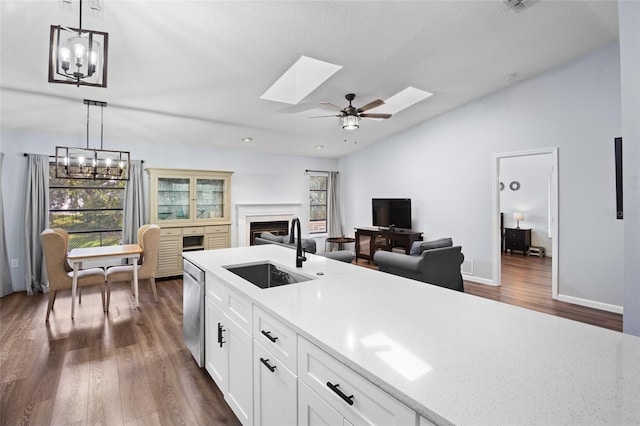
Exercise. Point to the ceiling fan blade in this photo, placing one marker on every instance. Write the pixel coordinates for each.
(331, 106)
(371, 105)
(323, 116)
(375, 115)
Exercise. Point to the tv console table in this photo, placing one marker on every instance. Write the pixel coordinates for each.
(383, 239)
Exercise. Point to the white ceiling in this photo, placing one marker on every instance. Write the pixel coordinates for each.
(193, 71)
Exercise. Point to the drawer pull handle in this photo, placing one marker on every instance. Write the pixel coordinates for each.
(271, 368)
(269, 336)
(220, 330)
(347, 399)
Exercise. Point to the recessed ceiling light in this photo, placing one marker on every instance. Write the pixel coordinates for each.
(319, 146)
(402, 100)
(301, 79)
(247, 139)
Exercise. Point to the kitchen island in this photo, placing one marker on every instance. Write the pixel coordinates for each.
(450, 357)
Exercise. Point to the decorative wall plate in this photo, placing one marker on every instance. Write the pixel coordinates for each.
(515, 185)
(501, 186)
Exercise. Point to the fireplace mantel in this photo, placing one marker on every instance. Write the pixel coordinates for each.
(248, 213)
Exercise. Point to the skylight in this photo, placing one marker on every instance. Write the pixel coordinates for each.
(402, 100)
(301, 79)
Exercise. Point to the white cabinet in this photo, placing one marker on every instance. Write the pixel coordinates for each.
(355, 398)
(215, 353)
(239, 394)
(229, 347)
(274, 390)
(314, 411)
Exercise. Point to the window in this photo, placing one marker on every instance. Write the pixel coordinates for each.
(89, 210)
(318, 204)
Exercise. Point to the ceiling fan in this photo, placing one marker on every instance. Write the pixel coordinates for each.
(350, 115)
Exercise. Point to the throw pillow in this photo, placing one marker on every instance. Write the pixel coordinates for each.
(415, 248)
(440, 243)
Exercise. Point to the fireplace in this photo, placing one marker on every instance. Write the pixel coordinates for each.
(276, 227)
(246, 214)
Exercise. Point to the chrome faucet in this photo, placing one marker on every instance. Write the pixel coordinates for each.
(295, 226)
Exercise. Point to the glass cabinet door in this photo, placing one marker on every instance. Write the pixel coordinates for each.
(209, 198)
(174, 195)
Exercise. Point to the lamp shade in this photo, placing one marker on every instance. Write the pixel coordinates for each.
(518, 216)
(350, 122)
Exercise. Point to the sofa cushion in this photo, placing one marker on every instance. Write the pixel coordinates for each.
(419, 246)
(275, 238)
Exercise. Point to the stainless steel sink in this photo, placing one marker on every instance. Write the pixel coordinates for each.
(267, 274)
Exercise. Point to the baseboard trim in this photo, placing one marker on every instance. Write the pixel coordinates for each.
(591, 304)
(479, 280)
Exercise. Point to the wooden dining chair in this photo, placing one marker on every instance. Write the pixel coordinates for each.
(54, 247)
(149, 240)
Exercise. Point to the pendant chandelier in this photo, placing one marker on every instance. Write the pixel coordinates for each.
(91, 163)
(78, 56)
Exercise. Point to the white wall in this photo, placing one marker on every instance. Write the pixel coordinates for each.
(629, 16)
(532, 199)
(444, 165)
(257, 178)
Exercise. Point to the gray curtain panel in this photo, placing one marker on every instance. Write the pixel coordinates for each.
(5, 273)
(36, 221)
(134, 212)
(334, 209)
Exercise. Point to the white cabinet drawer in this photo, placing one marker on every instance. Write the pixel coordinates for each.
(215, 288)
(279, 339)
(362, 402)
(216, 229)
(239, 309)
(275, 389)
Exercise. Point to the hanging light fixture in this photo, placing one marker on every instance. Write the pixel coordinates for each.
(78, 56)
(91, 163)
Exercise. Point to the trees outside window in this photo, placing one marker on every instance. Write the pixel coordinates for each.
(89, 210)
(318, 205)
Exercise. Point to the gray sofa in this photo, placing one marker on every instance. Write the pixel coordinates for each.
(308, 245)
(434, 262)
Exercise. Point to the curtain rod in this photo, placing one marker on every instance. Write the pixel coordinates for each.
(320, 171)
(25, 154)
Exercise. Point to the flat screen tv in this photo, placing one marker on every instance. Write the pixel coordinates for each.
(391, 212)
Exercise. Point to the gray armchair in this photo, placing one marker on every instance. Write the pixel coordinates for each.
(434, 262)
(308, 245)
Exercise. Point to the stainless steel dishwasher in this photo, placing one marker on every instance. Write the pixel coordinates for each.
(193, 310)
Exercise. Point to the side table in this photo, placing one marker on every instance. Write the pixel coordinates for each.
(340, 241)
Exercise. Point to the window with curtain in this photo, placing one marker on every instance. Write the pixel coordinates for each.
(318, 204)
(89, 210)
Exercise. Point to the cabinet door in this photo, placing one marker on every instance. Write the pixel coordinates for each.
(215, 356)
(169, 255)
(173, 200)
(239, 393)
(210, 198)
(313, 410)
(274, 390)
(217, 241)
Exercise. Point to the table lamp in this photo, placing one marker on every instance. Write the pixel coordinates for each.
(518, 217)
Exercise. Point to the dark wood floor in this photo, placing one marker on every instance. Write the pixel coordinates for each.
(132, 368)
(128, 368)
(526, 282)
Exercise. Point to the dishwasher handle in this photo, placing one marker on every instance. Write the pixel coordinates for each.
(192, 270)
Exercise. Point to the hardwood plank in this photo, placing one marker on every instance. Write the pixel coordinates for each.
(72, 396)
(104, 406)
(135, 392)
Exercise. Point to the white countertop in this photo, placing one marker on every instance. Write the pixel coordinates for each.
(453, 357)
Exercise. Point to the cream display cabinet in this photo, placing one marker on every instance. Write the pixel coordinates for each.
(193, 210)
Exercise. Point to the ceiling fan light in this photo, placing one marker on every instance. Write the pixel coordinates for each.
(350, 122)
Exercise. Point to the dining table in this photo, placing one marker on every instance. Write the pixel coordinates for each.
(82, 254)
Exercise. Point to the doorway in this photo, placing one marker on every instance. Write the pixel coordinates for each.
(544, 218)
